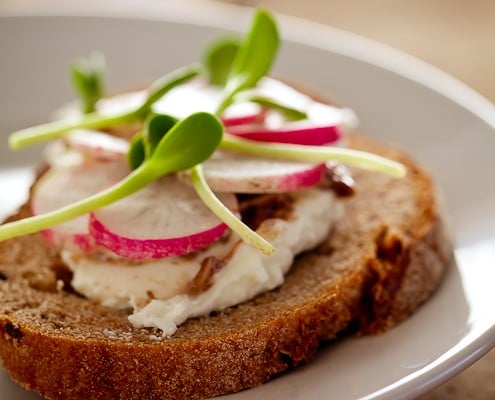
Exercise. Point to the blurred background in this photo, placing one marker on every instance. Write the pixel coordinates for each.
(457, 36)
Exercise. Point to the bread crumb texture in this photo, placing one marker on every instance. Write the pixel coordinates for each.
(382, 260)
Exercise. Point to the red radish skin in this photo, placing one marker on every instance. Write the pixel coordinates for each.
(166, 218)
(152, 248)
(303, 179)
(238, 173)
(61, 187)
(252, 115)
(295, 133)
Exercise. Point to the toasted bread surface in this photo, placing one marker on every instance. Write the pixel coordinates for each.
(383, 259)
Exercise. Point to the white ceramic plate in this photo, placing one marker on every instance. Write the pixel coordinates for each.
(445, 125)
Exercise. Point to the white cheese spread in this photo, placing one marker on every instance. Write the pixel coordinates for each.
(157, 290)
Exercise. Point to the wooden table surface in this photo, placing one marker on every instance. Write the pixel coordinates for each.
(457, 36)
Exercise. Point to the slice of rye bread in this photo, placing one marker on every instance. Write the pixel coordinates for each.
(382, 260)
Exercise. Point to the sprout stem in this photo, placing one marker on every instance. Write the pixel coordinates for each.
(315, 154)
(222, 212)
(53, 130)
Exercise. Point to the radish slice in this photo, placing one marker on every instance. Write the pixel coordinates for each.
(166, 218)
(247, 174)
(82, 144)
(97, 144)
(305, 133)
(61, 187)
(323, 126)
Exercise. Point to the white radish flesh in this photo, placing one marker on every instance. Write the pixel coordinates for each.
(197, 95)
(60, 187)
(243, 113)
(239, 173)
(166, 218)
(97, 144)
(83, 144)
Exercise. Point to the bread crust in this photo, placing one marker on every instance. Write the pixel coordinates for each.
(382, 260)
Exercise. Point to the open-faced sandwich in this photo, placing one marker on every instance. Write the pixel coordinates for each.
(207, 233)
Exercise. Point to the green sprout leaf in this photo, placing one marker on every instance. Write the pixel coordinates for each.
(155, 127)
(144, 142)
(200, 135)
(222, 212)
(190, 142)
(87, 80)
(136, 153)
(95, 120)
(218, 60)
(254, 58)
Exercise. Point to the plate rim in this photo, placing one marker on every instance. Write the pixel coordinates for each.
(294, 29)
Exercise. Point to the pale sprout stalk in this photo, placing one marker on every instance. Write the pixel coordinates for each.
(315, 154)
(222, 212)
